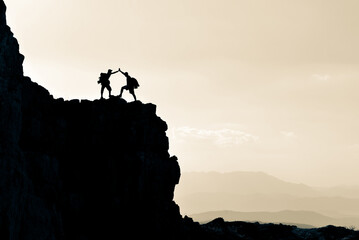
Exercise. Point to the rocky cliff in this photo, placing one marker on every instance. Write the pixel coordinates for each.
(80, 169)
(96, 169)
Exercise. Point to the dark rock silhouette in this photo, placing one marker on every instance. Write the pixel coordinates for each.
(86, 170)
(219, 229)
(79, 169)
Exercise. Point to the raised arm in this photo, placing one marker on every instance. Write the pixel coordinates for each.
(115, 72)
(119, 70)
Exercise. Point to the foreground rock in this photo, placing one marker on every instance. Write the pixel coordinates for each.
(89, 169)
(219, 229)
(80, 170)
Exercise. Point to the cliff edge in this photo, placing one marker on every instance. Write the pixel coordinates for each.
(98, 169)
(80, 169)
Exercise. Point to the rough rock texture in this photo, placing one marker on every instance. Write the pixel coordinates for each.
(13, 185)
(103, 167)
(80, 170)
(221, 230)
(96, 170)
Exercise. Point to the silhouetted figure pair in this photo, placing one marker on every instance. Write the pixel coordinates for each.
(131, 83)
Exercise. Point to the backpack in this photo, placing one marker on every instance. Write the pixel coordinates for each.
(103, 78)
(134, 83)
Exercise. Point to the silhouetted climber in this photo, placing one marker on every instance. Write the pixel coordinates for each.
(131, 84)
(104, 79)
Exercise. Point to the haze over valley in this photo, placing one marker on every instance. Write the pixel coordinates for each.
(256, 196)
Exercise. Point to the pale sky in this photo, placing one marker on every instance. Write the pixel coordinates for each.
(244, 85)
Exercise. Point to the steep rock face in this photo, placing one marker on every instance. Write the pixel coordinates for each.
(13, 184)
(10, 76)
(103, 165)
(80, 170)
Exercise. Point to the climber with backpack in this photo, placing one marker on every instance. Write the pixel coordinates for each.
(131, 84)
(104, 79)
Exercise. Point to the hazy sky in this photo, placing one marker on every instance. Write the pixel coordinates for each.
(248, 85)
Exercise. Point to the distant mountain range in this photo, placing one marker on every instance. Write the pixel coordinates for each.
(240, 183)
(253, 192)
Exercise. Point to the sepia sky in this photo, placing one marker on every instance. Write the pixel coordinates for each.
(247, 85)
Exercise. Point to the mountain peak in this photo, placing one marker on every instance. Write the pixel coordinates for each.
(80, 169)
(83, 169)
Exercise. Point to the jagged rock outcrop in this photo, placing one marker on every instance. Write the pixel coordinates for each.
(13, 184)
(104, 165)
(219, 229)
(80, 170)
(96, 169)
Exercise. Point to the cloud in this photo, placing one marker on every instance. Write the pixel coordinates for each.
(354, 147)
(321, 77)
(288, 134)
(223, 137)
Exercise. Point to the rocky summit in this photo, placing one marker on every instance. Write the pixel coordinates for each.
(80, 169)
(98, 169)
